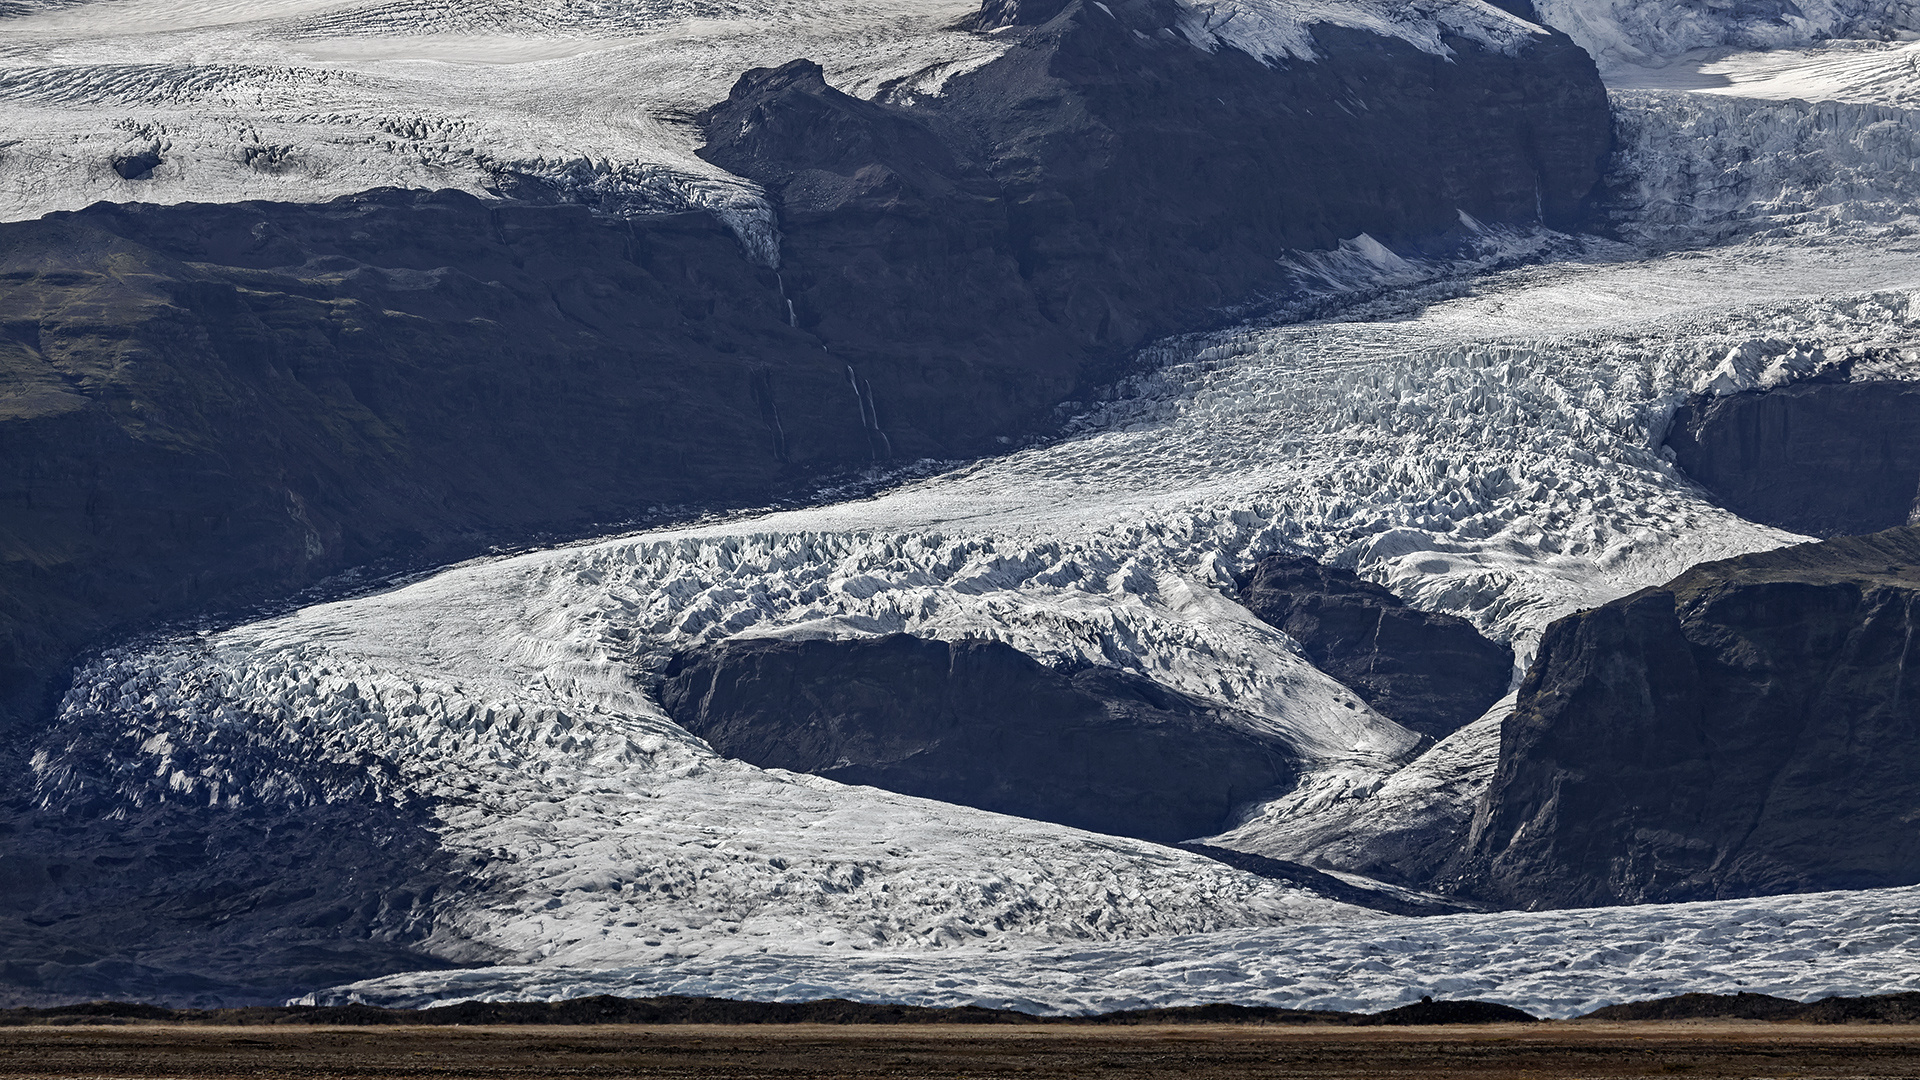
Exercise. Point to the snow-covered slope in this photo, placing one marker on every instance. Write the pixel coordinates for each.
(1857, 72)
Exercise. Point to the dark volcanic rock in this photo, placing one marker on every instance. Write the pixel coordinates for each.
(1429, 672)
(212, 405)
(1428, 1011)
(138, 166)
(1745, 729)
(1119, 181)
(1741, 1006)
(981, 724)
(1901, 1008)
(1823, 458)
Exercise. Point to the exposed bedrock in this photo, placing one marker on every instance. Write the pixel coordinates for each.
(1430, 672)
(208, 406)
(981, 724)
(1822, 458)
(1745, 729)
(1119, 181)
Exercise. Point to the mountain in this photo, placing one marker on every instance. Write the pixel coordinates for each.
(1429, 672)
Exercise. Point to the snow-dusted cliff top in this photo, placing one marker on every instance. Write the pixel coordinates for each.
(311, 99)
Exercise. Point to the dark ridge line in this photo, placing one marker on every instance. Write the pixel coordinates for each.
(606, 1009)
(1896, 1008)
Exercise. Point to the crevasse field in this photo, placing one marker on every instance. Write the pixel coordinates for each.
(1483, 437)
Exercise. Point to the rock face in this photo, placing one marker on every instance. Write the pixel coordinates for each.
(211, 405)
(1745, 729)
(1119, 180)
(1825, 458)
(981, 724)
(1429, 672)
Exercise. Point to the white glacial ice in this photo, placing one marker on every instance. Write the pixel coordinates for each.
(1653, 32)
(1557, 964)
(1488, 447)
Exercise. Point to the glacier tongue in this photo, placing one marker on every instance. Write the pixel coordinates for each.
(1492, 453)
(1555, 964)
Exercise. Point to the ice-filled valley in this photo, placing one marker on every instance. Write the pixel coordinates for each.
(1484, 437)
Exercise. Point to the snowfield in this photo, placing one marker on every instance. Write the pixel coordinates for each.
(1483, 438)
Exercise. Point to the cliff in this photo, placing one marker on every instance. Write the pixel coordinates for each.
(1745, 729)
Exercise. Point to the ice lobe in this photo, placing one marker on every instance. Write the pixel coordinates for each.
(1555, 964)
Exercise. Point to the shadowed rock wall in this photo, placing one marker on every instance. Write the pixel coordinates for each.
(981, 724)
(1822, 458)
(1119, 182)
(1426, 671)
(1746, 729)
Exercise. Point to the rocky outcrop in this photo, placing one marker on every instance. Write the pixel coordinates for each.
(1120, 179)
(1745, 729)
(1430, 672)
(981, 724)
(209, 406)
(1825, 458)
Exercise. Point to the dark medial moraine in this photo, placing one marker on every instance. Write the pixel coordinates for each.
(981, 724)
(1746, 729)
(1430, 672)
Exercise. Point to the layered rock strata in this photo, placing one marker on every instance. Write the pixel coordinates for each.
(1745, 729)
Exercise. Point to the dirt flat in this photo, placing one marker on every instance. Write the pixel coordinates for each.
(1588, 1050)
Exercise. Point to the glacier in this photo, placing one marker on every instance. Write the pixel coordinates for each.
(1483, 437)
(1448, 449)
(1554, 964)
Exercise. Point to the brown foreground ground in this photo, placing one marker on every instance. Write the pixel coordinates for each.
(1586, 1049)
